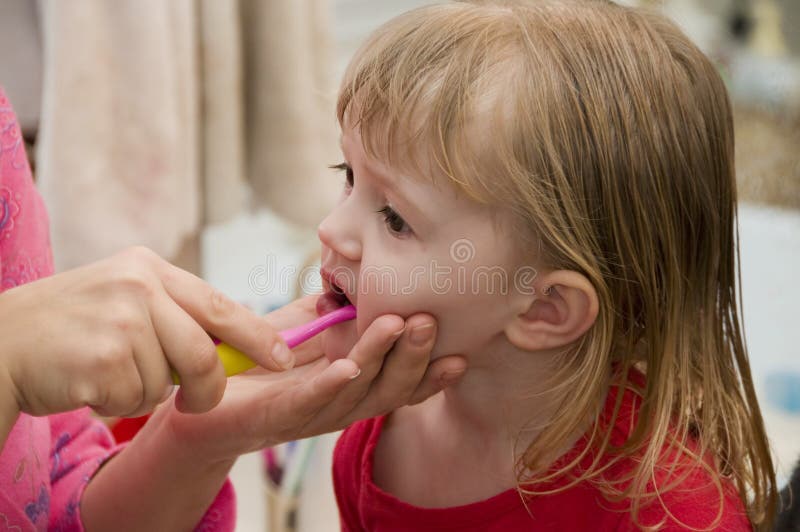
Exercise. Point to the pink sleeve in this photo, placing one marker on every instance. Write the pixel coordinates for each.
(80, 444)
(24, 234)
(221, 515)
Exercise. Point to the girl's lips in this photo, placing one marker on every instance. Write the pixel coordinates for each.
(334, 292)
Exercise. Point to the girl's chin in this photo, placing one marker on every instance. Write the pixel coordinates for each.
(339, 340)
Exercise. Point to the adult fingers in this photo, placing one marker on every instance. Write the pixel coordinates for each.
(121, 389)
(226, 319)
(315, 395)
(368, 354)
(402, 370)
(151, 361)
(440, 374)
(191, 353)
(298, 312)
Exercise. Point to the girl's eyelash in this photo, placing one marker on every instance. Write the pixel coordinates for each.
(394, 222)
(348, 172)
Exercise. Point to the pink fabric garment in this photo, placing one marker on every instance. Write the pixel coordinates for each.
(47, 461)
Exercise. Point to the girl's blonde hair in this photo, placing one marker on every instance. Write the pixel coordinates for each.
(609, 135)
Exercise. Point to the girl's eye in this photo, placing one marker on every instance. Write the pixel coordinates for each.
(394, 221)
(348, 173)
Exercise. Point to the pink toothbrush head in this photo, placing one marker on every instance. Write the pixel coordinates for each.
(301, 333)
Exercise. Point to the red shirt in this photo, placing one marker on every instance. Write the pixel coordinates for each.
(365, 506)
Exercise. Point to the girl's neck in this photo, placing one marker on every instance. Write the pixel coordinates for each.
(467, 438)
(501, 403)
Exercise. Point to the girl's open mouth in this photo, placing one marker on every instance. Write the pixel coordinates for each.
(338, 294)
(332, 299)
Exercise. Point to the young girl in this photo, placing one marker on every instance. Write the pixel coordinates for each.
(554, 182)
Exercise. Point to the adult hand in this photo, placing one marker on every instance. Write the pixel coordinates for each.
(184, 458)
(108, 334)
(389, 367)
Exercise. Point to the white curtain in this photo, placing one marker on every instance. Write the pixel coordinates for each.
(156, 116)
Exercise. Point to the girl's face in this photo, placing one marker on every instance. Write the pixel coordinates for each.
(401, 245)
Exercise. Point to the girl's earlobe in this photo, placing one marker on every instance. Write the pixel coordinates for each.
(559, 314)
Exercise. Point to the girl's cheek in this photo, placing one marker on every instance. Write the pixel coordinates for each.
(338, 341)
(362, 321)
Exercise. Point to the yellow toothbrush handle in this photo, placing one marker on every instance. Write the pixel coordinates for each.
(233, 360)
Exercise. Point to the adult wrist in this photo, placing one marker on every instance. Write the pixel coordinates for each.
(180, 435)
(9, 406)
(10, 397)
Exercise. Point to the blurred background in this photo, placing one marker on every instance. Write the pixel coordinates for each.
(203, 129)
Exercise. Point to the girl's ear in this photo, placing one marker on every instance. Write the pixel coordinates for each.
(558, 314)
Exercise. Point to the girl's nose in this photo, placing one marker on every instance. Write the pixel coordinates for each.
(339, 232)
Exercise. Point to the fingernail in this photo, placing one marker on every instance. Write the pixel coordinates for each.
(421, 334)
(449, 377)
(282, 356)
(356, 374)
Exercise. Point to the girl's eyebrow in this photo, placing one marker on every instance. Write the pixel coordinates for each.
(391, 185)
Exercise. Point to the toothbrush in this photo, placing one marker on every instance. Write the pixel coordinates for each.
(235, 362)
